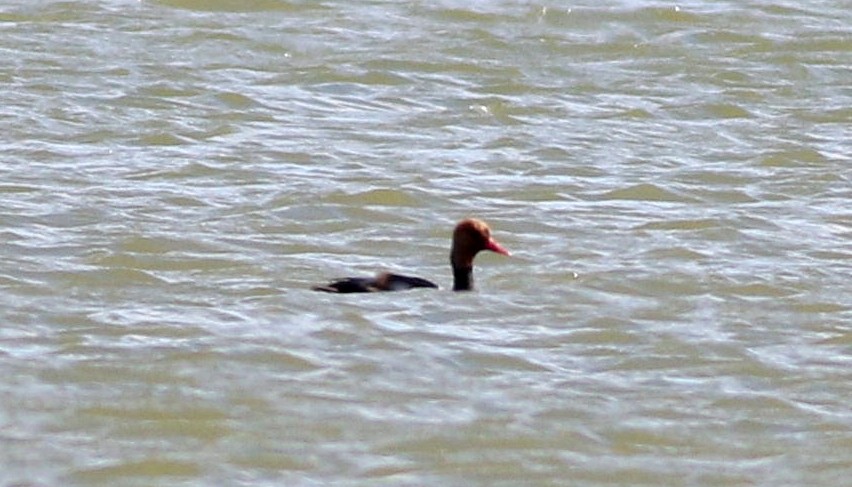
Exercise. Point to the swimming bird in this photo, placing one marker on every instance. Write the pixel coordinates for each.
(469, 238)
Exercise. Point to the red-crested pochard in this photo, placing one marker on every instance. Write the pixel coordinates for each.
(469, 237)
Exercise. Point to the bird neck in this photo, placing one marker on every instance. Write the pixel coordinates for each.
(462, 278)
(462, 261)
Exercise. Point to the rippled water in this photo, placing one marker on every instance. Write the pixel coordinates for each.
(674, 183)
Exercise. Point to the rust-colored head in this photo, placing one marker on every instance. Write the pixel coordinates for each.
(469, 238)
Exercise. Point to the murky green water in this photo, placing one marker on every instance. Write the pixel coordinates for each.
(674, 183)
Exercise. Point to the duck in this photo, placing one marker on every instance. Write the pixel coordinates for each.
(470, 237)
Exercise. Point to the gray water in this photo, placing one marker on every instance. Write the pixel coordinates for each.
(673, 181)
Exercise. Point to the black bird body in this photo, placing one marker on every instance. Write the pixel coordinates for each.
(383, 282)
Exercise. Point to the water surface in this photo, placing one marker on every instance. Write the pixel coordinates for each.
(673, 181)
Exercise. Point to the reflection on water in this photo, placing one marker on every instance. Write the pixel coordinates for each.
(672, 182)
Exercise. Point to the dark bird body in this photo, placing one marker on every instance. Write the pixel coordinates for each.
(383, 282)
